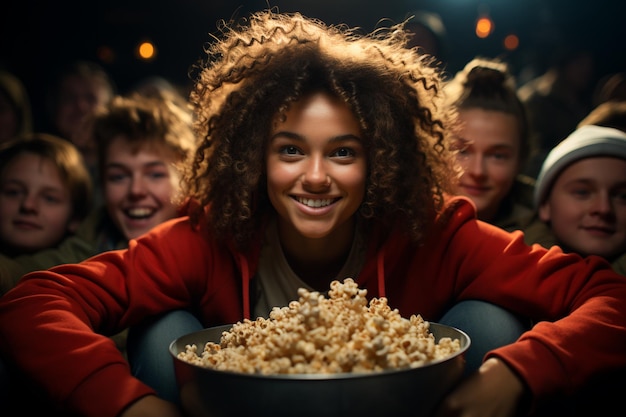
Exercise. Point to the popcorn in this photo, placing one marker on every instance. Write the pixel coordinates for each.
(339, 334)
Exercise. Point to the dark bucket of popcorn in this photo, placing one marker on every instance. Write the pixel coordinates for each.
(414, 391)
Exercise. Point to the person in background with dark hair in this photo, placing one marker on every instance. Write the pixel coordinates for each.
(77, 90)
(16, 117)
(164, 89)
(493, 142)
(558, 99)
(323, 155)
(428, 35)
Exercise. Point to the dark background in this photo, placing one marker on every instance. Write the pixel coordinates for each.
(36, 36)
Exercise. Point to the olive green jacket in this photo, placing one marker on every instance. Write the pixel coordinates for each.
(96, 234)
(516, 210)
(512, 216)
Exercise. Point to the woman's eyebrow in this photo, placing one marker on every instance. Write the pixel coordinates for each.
(287, 134)
(301, 138)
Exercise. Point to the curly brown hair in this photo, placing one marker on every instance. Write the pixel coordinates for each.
(260, 65)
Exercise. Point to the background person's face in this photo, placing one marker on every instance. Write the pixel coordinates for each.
(78, 98)
(35, 204)
(489, 144)
(139, 187)
(586, 207)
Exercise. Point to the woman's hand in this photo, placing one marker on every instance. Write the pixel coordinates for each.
(493, 391)
(151, 406)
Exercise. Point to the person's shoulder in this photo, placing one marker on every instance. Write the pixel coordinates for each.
(457, 209)
(457, 203)
(177, 226)
(537, 231)
(460, 218)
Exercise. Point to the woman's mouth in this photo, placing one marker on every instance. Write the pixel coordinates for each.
(138, 213)
(315, 202)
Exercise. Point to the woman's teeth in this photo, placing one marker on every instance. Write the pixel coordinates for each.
(139, 212)
(310, 202)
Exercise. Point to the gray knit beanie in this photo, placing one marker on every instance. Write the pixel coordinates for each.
(584, 142)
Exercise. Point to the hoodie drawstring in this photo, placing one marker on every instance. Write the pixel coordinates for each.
(380, 272)
(245, 285)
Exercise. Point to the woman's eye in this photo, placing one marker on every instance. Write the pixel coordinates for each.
(344, 152)
(290, 150)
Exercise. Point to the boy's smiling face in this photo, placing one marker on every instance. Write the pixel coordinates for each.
(139, 186)
(586, 207)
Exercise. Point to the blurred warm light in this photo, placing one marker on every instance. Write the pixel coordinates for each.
(146, 51)
(511, 42)
(484, 27)
(105, 54)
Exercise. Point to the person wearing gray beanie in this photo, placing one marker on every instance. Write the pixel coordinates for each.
(580, 195)
(584, 142)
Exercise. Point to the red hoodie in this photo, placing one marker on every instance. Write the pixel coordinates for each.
(47, 321)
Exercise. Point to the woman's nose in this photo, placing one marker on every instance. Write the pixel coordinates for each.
(316, 173)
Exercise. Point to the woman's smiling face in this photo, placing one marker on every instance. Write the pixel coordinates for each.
(316, 167)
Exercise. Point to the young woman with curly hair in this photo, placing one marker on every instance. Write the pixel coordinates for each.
(323, 155)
